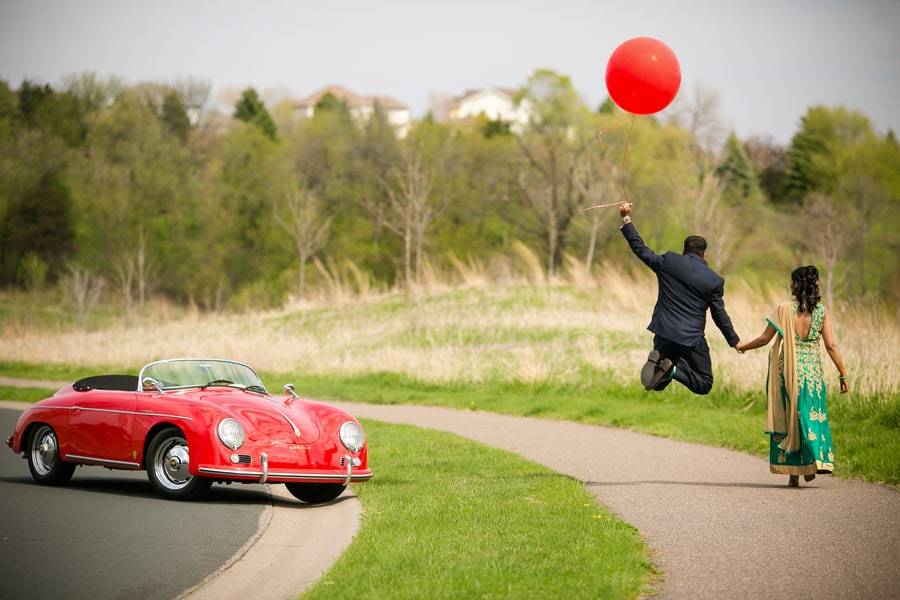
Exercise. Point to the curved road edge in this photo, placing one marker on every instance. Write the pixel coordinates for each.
(297, 544)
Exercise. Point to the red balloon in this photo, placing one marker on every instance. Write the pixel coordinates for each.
(643, 75)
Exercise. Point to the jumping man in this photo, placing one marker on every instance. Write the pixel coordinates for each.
(687, 288)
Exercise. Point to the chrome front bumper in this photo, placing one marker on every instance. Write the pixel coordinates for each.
(264, 475)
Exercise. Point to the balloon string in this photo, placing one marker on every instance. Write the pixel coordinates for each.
(625, 155)
(621, 168)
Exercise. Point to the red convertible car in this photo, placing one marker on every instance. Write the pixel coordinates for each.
(188, 423)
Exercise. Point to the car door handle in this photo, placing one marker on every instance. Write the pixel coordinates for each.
(76, 409)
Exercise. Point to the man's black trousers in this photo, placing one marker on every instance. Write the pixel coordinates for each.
(693, 367)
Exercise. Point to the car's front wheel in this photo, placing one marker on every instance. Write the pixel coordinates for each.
(315, 493)
(168, 463)
(43, 458)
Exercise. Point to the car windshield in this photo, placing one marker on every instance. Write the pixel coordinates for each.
(191, 372)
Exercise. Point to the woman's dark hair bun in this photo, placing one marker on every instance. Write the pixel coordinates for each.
(806, 287)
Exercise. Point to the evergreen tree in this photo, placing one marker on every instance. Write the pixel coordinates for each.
(736, 171)
(251, 109)
(9, 103)
(31, 96)
(174, 116)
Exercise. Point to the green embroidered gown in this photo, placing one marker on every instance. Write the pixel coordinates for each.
(816, 454)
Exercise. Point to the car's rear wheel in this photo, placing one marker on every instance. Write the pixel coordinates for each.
(168, 464)
(315, 493)
(43, 458)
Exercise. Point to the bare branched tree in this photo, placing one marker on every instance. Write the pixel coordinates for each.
(715, 219)
(827, 235)
(597, 184)
(406, 209)
(700, 114)
(553, 147)
(83, 290)
(125, 269)
(301, 216)
(135, 275)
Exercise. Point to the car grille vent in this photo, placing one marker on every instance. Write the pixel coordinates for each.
(243, 459)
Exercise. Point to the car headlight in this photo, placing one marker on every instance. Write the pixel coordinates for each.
(352, 436)
(231, 433)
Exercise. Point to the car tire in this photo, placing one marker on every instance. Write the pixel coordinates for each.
(167, 463)
(46, 467)
(315, 493)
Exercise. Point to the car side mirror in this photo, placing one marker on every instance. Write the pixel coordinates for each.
(151, 385)
(289, 389)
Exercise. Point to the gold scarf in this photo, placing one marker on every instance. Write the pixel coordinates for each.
(782, 418)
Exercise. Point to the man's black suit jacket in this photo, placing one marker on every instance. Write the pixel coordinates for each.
(687, 287)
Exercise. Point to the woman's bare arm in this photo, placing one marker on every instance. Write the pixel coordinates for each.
(764, 338)
(832, 348)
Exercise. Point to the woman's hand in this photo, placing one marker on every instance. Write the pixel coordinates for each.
(845, 387)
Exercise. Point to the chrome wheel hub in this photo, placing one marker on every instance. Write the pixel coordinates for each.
(171, 464)
(43, 451)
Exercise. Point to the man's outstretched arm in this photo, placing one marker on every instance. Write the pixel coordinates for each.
(721, 318)
(648, 256)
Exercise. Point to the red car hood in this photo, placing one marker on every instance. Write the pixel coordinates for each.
(266, 417)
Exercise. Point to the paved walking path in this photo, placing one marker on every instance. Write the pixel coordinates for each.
(718, 523)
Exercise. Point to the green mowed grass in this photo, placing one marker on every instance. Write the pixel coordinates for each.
(447, 517)
(20, 394)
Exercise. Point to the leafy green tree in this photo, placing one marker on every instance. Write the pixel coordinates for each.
(38, 224)
(330, 102)
(813, 159)
(495, 127)
(607, 107)
(174, 116)
(255, 177)
(58, 113)
(251, 109)
(134, 180)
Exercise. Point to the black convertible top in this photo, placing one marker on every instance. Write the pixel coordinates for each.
(122, 383)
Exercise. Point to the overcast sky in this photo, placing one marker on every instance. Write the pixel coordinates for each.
(769, 60)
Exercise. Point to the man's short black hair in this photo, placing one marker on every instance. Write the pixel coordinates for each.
(694, 244)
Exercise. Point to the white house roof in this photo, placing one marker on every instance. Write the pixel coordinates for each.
(470, 94)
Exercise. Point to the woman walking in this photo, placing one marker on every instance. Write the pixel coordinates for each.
(797, 415)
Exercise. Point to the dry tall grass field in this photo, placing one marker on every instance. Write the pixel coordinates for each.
(479, 324)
